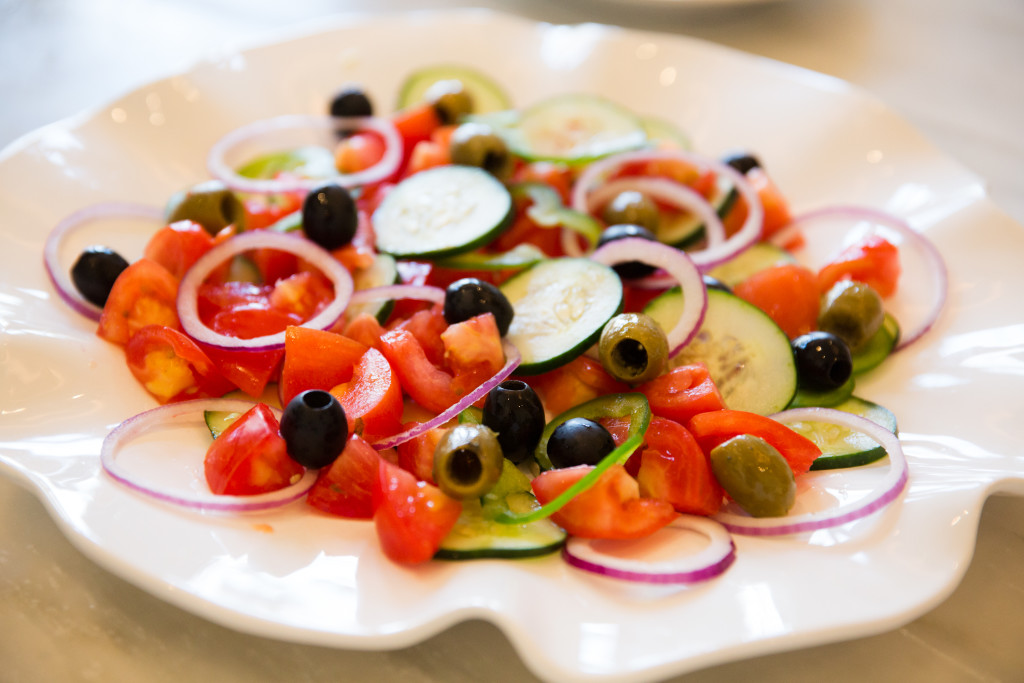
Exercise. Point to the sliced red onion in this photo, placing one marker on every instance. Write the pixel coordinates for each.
(679, 267)
(243, 143)
(667, 191)
(384, 292)
(51, 251)
(885, 492)
(586, 554)
(192, 411)
(512, 359)
(712, 255)
(188, 291)
(917, 308)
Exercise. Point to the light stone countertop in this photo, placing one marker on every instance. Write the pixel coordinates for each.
(954, 69)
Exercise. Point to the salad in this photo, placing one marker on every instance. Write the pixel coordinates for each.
(501, 332)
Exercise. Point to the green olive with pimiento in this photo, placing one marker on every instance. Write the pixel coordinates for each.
(852, 311)
(467, 461)
(450, 100)
(755, 475)
(476, 144)
(633, 348)
(210, 203)
(633, 207)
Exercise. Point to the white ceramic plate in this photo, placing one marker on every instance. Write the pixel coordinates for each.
(297, 576)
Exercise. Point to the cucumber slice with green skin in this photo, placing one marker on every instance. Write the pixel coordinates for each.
(476, 535)
(756, 258)
(842, 447)
(309, 161)
(219, 420)
(517, 258)
(383, 271)
(806, 398)
(749, 357)
(441, 212)
(574, 128)
(560, 307)
(487, 95)
(878, 347)
(685, 230)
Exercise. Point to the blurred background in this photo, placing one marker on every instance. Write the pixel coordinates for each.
(953, 69)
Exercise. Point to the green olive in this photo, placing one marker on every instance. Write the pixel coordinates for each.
(476, 144)
(634, 208)
(852, 311)
(451, 100)
(633, 348)
(755, 475)
(467, 461)
(211, 204)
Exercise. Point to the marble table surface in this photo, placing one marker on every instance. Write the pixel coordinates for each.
(954, 69)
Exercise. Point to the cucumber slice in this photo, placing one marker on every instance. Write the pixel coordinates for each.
(560, 307)
(661, 131)
(219, 420)
(487, 96)
(682, 230)
(841, 447)
(477, 535)
(442, 211)
(823, 399)
(575, 128)
(878, 348)
(749, 357)
(758, 257)
(383, 271)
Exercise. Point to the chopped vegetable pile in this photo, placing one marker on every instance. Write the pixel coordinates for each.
(501, 332)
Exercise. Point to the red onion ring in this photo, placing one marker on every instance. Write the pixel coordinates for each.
(712, 255)
(680, 268)
(885, 492)
(921, 255)
(51, 250)
(421, 292)
(512, 359)
(188, 290)
(221, 169)
(182, 412)
(586, 554)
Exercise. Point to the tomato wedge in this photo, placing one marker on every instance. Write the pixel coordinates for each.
(673, 468)
(172, 367)
(411, 517)
(682, 392)
(315, 359)
(788, 293)
(875, 261)
(425, 383)
(713, 428)
(372, 398)
(145, 293)
(611, 508)
(178, 245)
(250, 457)
(345, 487)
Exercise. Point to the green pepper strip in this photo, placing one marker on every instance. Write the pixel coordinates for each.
(549, 212)
(634, 406)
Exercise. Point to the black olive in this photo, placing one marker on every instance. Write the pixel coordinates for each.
(329, 216)
(514, 412)
(579, 441)
(470, 297)
(95, 271)
(351, 101)
(630, 269)
(314, 428)
(823, 360)
(743, 162)
(715, 283)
